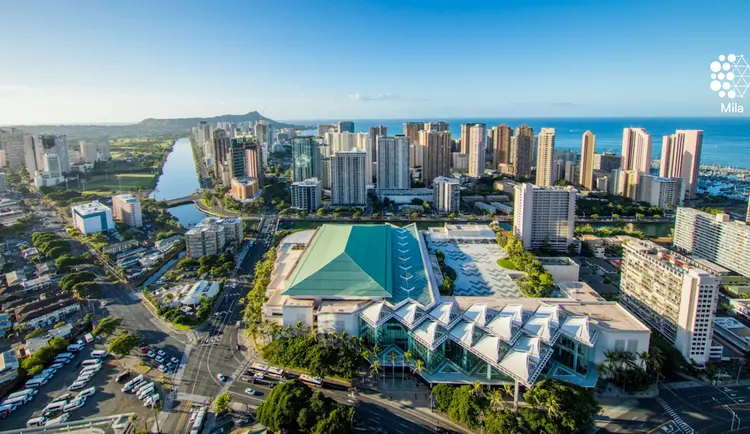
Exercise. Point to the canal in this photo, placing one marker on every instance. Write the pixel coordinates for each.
(178, 179)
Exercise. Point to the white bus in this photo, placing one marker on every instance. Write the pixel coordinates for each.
(24, 392)
(198, 423)
(275, 372)
(65, 356)
(99, 354)
(85, 393)
(37, 421)
(259, 367)
(137, 389)
(54, 408)
(36, 382)
(132, 383)
(91, 362)
(5, 410)
(21, 400)
(311, 381)
(146, 391)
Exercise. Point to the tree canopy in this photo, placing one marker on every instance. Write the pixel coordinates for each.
(69, 280)
(292, 406)
(123, 343)
(222, 403)
(107, 326)
(561, 407)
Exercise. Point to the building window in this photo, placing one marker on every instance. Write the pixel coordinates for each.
(619, 344)
(632, 346)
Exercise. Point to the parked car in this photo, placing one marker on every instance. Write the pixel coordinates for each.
(151, 354)
(175, 360)
(161, 353)
(221, 377)
(250, 391)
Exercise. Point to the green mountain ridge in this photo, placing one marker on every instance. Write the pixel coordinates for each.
(147, 127)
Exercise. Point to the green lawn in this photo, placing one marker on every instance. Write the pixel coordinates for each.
(507, 264)
(121, 182)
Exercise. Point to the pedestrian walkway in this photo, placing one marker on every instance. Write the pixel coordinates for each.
(684, 427)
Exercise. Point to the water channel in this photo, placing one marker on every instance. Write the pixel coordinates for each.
(179, 179)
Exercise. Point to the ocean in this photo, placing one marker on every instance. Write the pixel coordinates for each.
(726, 140)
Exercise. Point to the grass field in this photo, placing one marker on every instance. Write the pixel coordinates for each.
(121, 182)
(507, 264)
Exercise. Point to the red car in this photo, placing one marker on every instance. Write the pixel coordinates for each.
(144, 350)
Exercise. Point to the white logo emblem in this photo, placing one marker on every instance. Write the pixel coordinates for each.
(730, 75)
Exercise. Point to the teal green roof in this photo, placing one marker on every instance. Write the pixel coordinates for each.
(345, 261)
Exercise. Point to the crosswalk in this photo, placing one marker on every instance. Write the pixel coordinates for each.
(684, 427)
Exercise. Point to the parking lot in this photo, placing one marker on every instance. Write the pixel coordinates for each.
(107, 400)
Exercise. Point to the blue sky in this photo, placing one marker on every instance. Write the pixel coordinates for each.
(94, 61)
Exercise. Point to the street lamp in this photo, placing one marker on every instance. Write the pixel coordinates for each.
(734, 415)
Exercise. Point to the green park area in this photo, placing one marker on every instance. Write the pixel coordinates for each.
(120, 182)
(507, 264)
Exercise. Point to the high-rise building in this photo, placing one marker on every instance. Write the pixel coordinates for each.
(672, 294)
(572, 173)
(345, 126)
(325, 173)
(522, 151)
(681, 158)
(436, 147)
(436, 126)
(658, 191)
(624, 183)
(393, 163)
(544, 216)
(500, 136)
(459, 162)
(747, 215)
(476, 147)
(339, 142)
(254, 166)
(715, 238)
(411, 130)
(380, 130)
(446, 195)
(306, 195)
(588, 148)
(88, 151)
(305, 158)
(237, 159)
(92, 217)
(375, 132)
(348, 183)
(41, 144)
(636, 150)
(126, 208)
(544, 160)
(221, 145)
(607, 162)
(53, 165)
(364, 142)
(3, 183)
(465, 132)
(325, 128)
(12, 143)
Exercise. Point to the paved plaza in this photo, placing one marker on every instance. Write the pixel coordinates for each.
(477, 270)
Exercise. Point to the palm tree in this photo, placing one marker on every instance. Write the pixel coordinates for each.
(407, 358)
(476, 389)
(509, 389)
(496, 400)
(375, 368)
(393, 366)
(419, 367)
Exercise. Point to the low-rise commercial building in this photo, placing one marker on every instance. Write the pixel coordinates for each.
(202, 288)
(92, 217)
(733, 332)
(8, 366)
(213, 235)
(490, 339)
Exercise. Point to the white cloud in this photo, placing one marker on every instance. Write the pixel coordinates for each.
(377, 97)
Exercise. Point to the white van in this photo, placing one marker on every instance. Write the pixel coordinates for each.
(36, 382)
(25, 392)
(146, 391)
(54, 408)
(137, 389)
(74, 405)
(153, 399)
(91, 368)
(77, 385)
(37, 421)
(75, 347)
(85, 377)
(17, 401)
(132, 383)
(99, 354)
(91, 362)
(65, 356)
(86, 393)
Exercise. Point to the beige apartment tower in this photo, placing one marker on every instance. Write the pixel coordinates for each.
(588, 147)
(544, 158)
(477, 142)
(436, 151)
(636, 150)
(681, 158)
(411, 131)
(501, 136)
